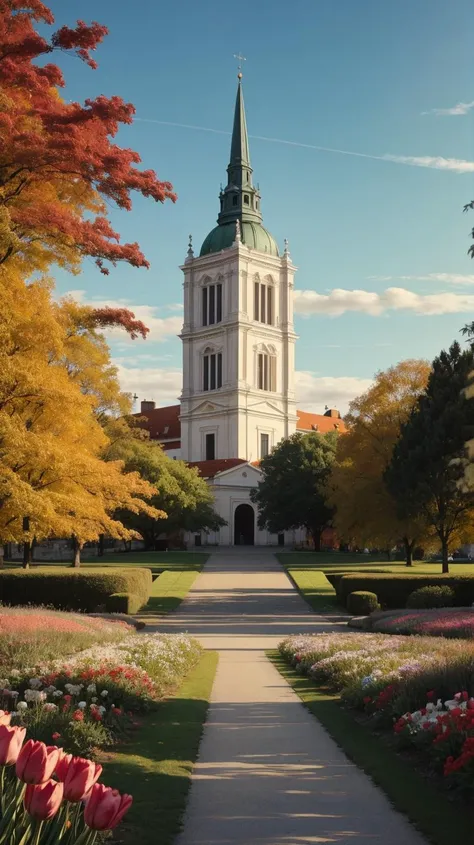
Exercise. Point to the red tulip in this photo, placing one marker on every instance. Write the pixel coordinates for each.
(37, 762)
(43, 800)
(80, 778)
(5, 717)
(105, 807)
(11, 740)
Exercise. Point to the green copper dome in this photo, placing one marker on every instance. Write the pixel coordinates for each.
(240, 199)
(252, 234)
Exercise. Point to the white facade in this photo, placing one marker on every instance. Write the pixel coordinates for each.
(256, 394)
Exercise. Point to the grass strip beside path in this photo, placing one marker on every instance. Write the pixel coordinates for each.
(429, 810)
(155, 766)
(169, 589)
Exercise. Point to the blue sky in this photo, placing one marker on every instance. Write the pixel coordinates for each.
(358, 76)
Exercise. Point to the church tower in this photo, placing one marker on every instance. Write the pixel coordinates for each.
(238, 338)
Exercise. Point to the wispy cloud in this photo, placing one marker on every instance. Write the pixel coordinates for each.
(341, 301)
(455, 165)
(445, 278)
(161, 328)
(458, 109)
(161, 384)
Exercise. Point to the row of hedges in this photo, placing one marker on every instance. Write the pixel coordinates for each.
(393, 590)
(75, 589)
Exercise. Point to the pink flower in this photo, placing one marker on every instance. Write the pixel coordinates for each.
(105, 807)
(78, 716)
(36, 762)
(43, 800)
(62, 766)
(11, 740)
(80, 777)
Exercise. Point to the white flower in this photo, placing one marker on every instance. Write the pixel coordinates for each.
(104, 693)
(35, 683)
(57, 693)
(94, 699)
(73, 689)
(91, 688)
(49, 707)
(37, 696)
(14, 693)
(4, 683)
(49, 690)
(82, 705)
(15, 673)
(102, 710)
(22, 705)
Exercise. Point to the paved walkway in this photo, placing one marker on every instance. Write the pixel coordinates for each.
(268, 773)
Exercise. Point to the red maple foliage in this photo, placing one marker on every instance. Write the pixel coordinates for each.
(119, 317)
(58, 162)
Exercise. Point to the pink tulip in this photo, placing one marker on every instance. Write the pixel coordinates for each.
(105, 807)
(80, 778)
(43, 800)
(5, 717)
(37, 762)
(62, 766)
(11, 740)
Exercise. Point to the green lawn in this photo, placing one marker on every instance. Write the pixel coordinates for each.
(306, 569)
(156, 765)
(430, 810)
(169, 589)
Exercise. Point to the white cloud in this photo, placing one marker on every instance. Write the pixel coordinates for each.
(459, 108)
(163, 385)
(457, 165)
(314, 392)
(444, 278)
(161, 328)
(392, 299)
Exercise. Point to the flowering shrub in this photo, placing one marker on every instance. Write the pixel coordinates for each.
(29, 636)
(447, 622)
(50, 797)
(407, 684)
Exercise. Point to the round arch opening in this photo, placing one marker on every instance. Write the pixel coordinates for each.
(244, 525)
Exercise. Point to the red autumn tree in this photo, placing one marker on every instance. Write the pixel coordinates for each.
(59, 166)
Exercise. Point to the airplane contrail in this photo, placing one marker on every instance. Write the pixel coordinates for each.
(455, 165)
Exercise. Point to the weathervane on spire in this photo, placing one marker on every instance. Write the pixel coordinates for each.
(240, 59)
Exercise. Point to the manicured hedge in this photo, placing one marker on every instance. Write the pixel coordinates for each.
(123, 603)
(362, 603)
(392, 590)
(427, 598)
(73, 589)
(335, 577)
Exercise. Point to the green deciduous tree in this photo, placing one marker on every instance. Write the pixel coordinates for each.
(427, 466)
(294, 489)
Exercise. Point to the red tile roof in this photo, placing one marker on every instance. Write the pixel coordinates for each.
(208, 469)
(163, 423)
(319, 422)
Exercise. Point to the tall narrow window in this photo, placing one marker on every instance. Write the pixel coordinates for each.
(266, 371)
(210, 447)
(264, 445)
(263, 303)
(212, 370)
(212, 304)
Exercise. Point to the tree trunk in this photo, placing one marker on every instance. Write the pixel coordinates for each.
(445, 554)
(101, 546)
(389, 554)
(408, 551)
(27, 551)
(77, 546)
(316, 535)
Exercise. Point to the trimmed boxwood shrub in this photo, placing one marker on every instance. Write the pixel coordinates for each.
(361, 603)
(73, 589)
(334, 578)
(392, 590)
(123, 603)
(426, 598)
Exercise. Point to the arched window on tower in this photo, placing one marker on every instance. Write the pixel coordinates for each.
(266, 368)
(263, 303)
(211, 304)
(212, 369)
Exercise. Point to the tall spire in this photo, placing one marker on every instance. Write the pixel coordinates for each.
(240, 200)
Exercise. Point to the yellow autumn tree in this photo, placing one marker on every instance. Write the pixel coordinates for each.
(365, 511)
(53, 479)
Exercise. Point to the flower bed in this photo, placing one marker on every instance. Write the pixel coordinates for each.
(418, 689)
(29, 636)
(95, 696)
(446, 622)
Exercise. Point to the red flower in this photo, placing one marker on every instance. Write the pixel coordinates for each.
(36, 762)
(105, 807)
(80, 777)
(430, 695)
(78, 715)
(367, 699)
(62, 766)
(11, 740)
(117, 711)
(43, 800)
(56, 736)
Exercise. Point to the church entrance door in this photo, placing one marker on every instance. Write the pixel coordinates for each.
(244, 526)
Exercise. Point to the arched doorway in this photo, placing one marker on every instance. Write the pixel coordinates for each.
(244, 526)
